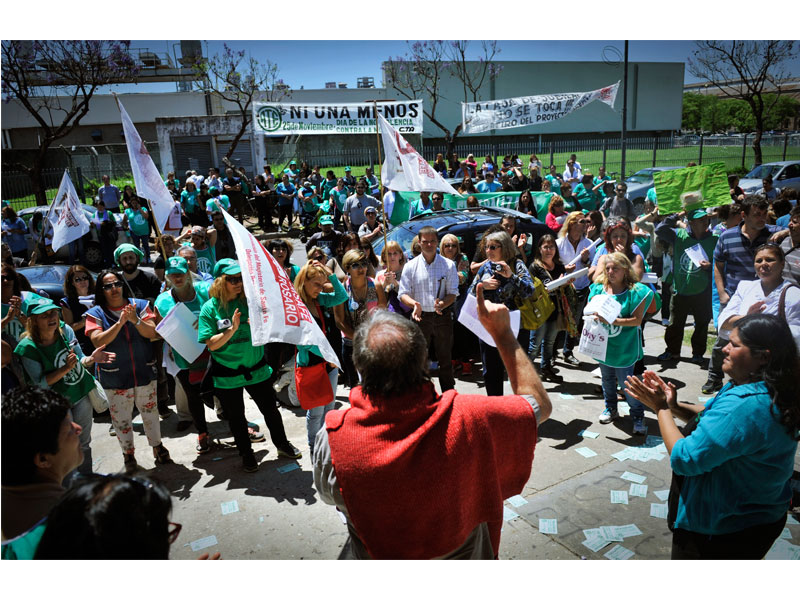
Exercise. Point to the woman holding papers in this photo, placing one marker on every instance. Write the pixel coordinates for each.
(125, 326)
(505, 281)
(237, 364)
(547, 267)
(192, 294)
(309, 284)
(732, 464)
(770, 294)
(618, 280)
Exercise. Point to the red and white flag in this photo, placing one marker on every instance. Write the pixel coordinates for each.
(277, 314)
(66, 215)
(149, 183)
(404, 169)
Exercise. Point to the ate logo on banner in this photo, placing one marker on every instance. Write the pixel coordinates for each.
(66, 217)
(605, 93)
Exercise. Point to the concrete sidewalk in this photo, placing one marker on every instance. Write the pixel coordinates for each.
(277, 514)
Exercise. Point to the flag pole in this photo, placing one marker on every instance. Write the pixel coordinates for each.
(380, 165)
(35, 253)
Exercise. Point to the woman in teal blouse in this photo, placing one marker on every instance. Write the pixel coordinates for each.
(732, 464)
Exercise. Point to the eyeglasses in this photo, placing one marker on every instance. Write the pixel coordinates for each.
(233, 279)
(173, 531)
(79, 279)
(110, 286)
(493, 247)
(358, 265)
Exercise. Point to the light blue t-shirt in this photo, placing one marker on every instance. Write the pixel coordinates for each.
(738, 463)
(783, 222)
(484, 187)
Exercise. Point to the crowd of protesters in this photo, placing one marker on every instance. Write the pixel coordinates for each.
(100, 338)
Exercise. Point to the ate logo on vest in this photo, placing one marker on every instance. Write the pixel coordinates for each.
(73, 376)
(203, 264)
(686, 264)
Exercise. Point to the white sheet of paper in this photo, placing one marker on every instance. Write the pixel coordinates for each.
(785, 534)
(628, 530)
(596, 543)
(611, 533)
(586, 452)
(589, 434)
(509, 514)
(696, 254)
(618, 553)
(638, 490)
(650, 278)
(604, 305)
(589, 247)
(179, 329)
(658, 510)
(204, 543)
(662, 495)
(469, 319)
(619, 497)
(557, 283)
(633, 477)
(517, 501)
(548, 526)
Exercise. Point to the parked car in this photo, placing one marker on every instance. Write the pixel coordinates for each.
(94, 258)
(467, 224)
(50, 278)
(641, 182)
(785, 174)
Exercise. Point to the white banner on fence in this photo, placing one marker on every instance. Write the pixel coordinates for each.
(284, 118)
(507, 113)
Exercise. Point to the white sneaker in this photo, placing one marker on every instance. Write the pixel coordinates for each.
(607, 416)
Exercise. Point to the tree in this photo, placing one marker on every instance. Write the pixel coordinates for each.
(747, 70)
(692, 111)
(420, 73)
(55, 81)
(236, 79)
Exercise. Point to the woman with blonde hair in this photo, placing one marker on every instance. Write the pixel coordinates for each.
(574, 247)
(463, 342)
(309, 283)
(237, 364)
(439, 165)
(363, 297)
(393, 260)
(619, 280)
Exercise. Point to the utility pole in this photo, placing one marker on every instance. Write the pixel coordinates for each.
(624, 112)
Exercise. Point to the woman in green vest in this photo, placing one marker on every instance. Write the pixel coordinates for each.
(619, 280)
(52, 358)
(237, 364)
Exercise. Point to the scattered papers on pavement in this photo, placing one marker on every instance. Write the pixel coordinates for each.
(509, 514)
(638, 490)
(658, 510)
(586, 452)
(633, 477)
(589, 434)
(618, 553)
(549, 526)
(229, 507)
(205, 542)
(662, 495)
(619, 497)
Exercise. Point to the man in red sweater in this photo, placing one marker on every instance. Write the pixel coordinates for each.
(419, 475)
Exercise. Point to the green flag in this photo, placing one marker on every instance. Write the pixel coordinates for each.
(402, 208)
(692, 188)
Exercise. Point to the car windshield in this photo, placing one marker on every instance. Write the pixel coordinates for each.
(401, 235)
(45, 274)
(762, 171)
(645, 176)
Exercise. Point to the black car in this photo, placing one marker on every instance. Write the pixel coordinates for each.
(467, 224)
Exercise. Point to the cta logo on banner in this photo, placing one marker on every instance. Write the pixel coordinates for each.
(508, 113)
(284, 118)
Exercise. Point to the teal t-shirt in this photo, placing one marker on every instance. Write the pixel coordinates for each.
(206, 258)
(597, 180)
(688, 278)
(555, 184)
(587, 198)
(166, 302)
(189, 200)
(137, 222)
(651, 195)
(211, 205)
(310, 204)
(340, 197)
(239, 351)
(624, 343)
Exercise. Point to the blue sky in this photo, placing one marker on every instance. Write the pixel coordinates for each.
(312, 63)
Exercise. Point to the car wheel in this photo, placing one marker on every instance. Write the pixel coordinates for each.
(94, 256)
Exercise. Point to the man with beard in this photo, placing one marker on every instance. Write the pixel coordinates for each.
(327, 239)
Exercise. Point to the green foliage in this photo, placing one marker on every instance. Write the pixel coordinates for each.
(716, 115)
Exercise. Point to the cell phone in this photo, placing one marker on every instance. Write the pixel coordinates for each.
(224, 323)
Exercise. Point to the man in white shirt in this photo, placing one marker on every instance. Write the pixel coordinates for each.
(429, 285)
(388, 204)
(573, 173)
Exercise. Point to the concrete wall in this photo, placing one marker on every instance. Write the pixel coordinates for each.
(189, 127)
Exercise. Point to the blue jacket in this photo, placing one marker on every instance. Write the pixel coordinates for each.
(737, 463)
(135, 364)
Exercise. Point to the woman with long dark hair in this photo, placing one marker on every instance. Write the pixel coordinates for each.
(547, 267)
(78, 298)
(733, 462)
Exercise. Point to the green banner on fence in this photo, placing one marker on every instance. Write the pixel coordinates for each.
(691, 188)
(403, 202)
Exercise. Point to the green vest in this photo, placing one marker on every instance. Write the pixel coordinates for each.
(689, 279)
(624, 343)
(76, 384)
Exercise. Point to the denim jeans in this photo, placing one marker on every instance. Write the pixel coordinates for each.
(143, 242)
(315, 417)
(612, 375)
(546, 333)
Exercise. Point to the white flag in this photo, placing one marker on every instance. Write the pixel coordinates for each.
(277, 314)
(404, 170)
(66, 215)
(149, 183)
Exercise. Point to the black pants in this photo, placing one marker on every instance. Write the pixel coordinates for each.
(439, 328)
(752, 543)
(285, 210)
(571, 342)
(698, 305)
(263, 395)
(194, 397)
(493, 369)
(349, 369)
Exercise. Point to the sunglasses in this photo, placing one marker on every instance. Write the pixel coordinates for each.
(79, 279)
(233, 279)
(110, 286)
(493, 247)
(358, 265)
(450, 246)
(621, 190)
(173, 531)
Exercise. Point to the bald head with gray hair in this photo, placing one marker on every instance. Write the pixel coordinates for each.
(390, 353)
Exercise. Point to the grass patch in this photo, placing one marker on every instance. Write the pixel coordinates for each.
(710, 341)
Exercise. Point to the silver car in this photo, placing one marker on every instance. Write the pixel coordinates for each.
(785, 174)
(641, 182)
